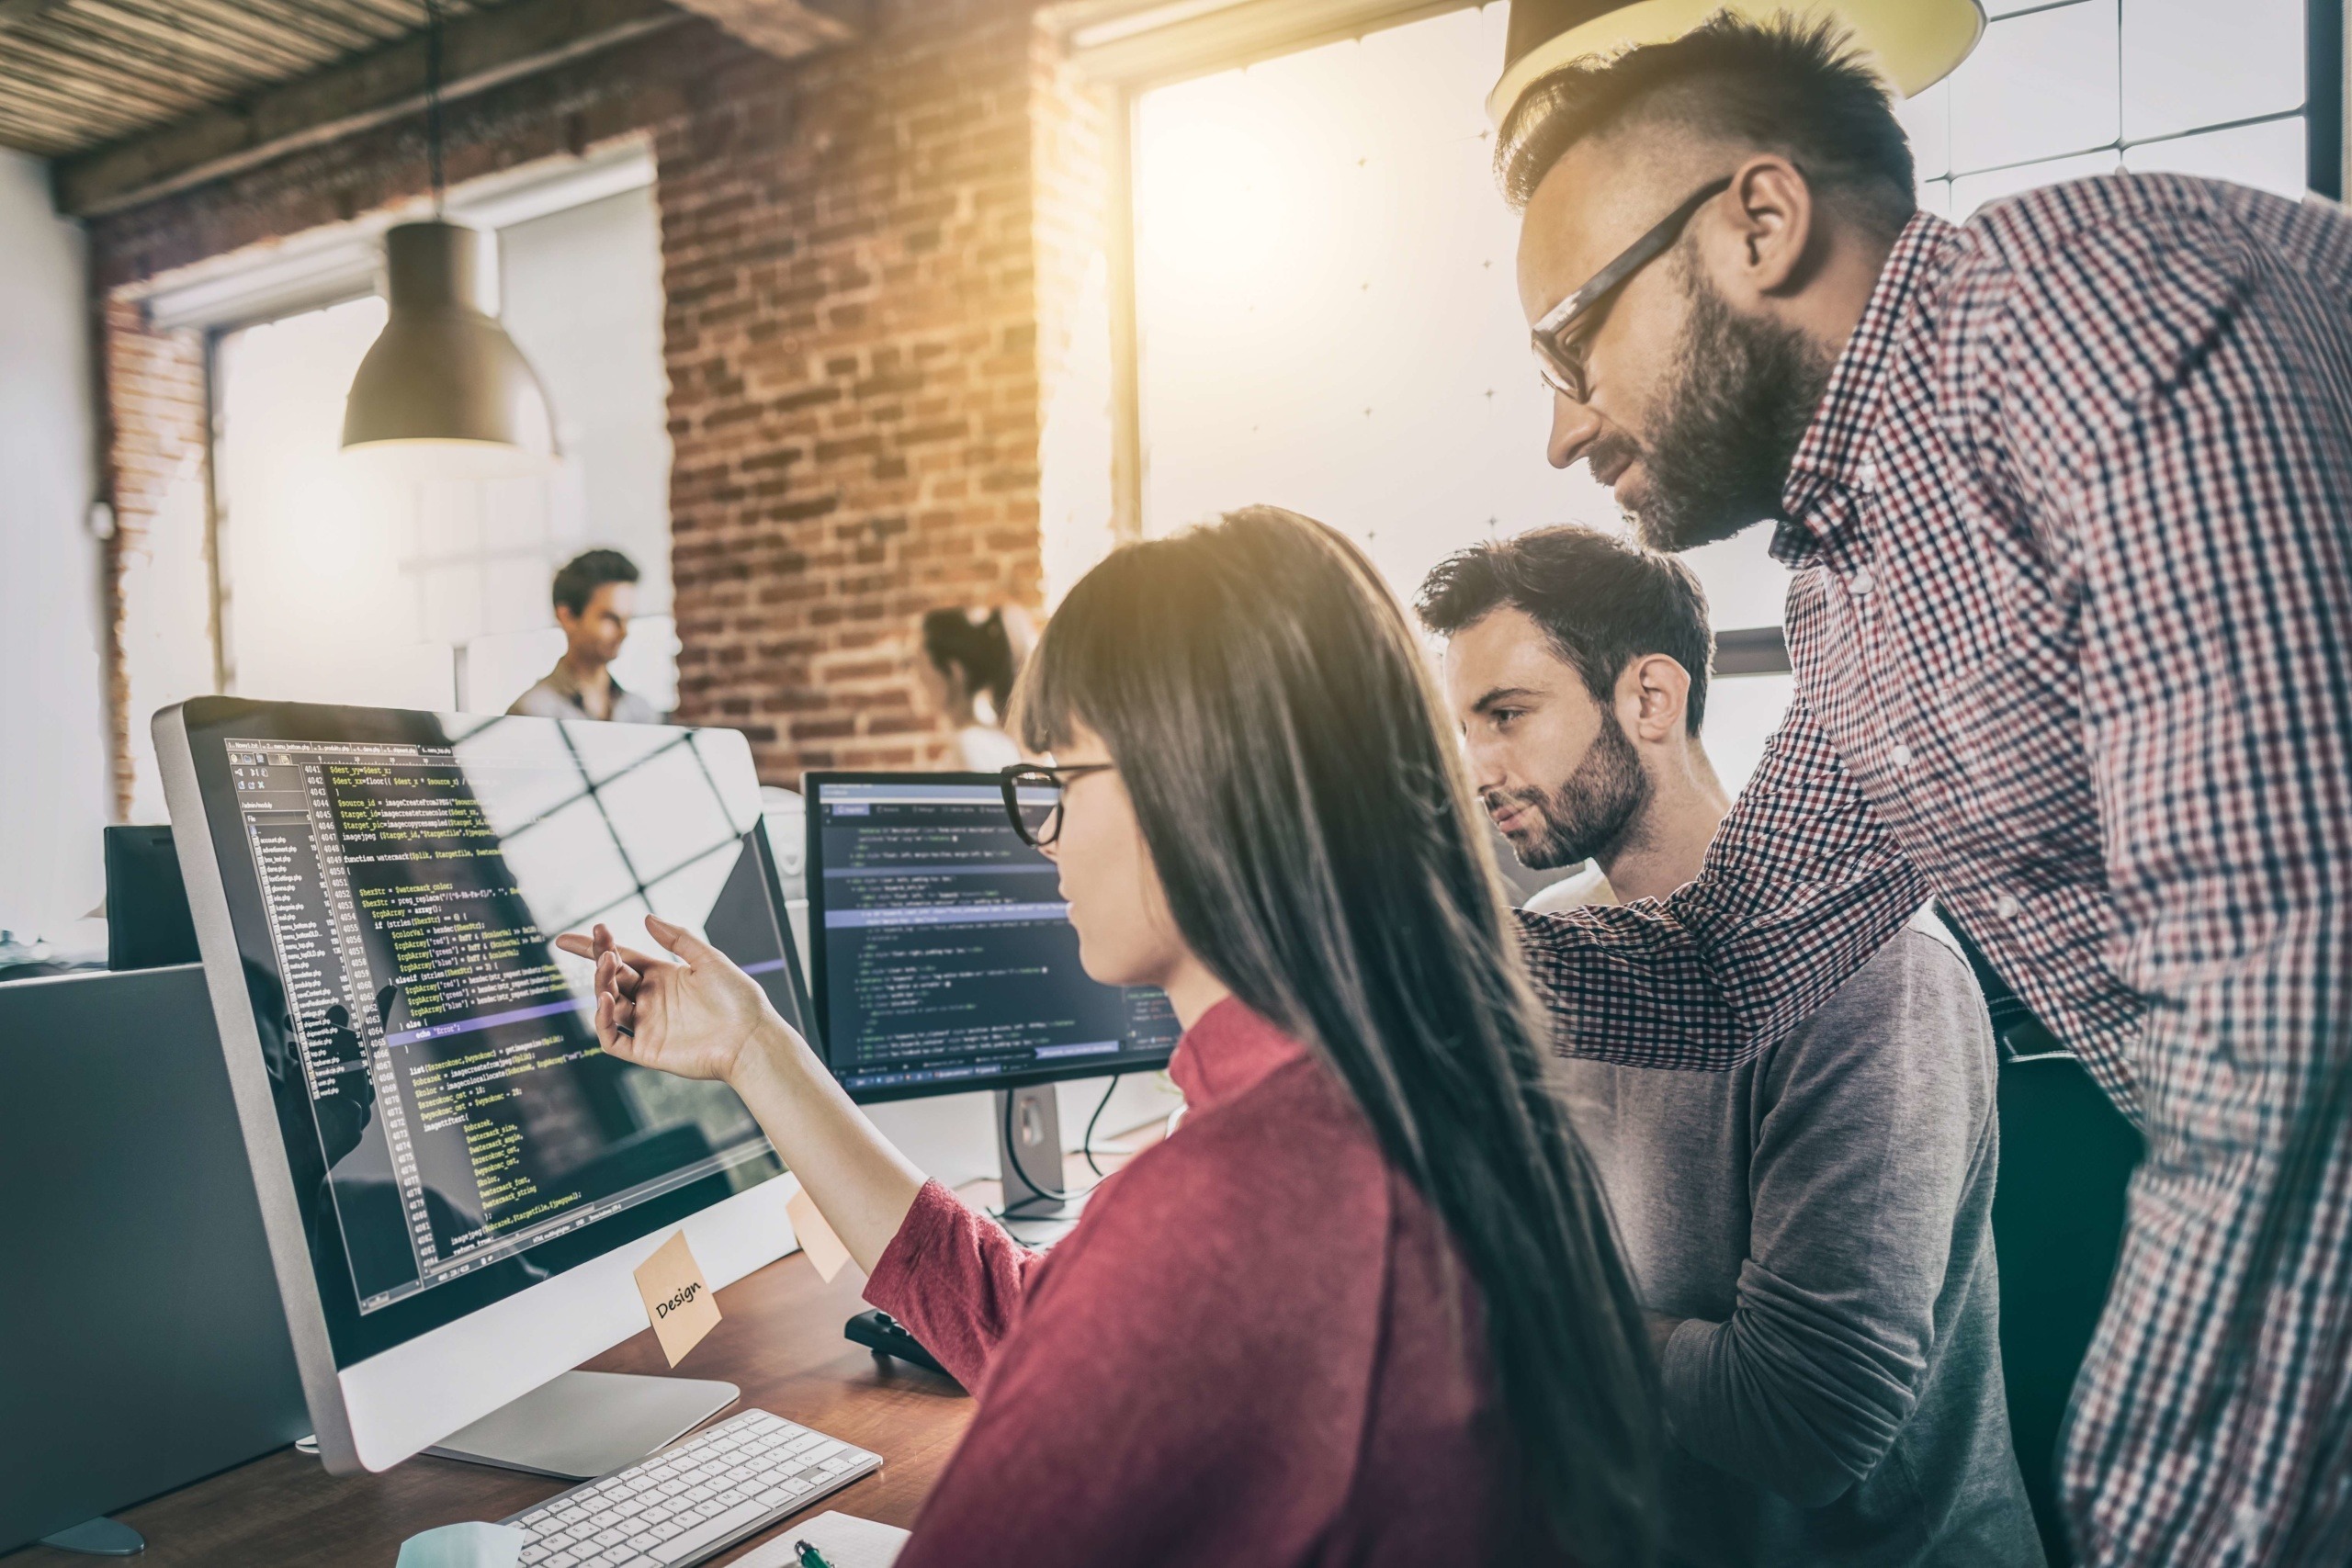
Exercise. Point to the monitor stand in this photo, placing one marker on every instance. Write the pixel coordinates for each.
(1029, 1150)
(582, 1424)
(100, 1536)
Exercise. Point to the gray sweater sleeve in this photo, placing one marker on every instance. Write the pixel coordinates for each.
(1874, 1119)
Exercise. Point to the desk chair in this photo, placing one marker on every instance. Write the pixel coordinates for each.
(2067, 1156)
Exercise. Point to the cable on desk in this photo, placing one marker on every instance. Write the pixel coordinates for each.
(1013, 1152)
(1087, 1146)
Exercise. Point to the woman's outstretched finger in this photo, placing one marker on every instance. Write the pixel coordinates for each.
(641, 962)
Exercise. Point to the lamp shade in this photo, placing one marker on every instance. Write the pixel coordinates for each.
(1916, 42)
(444, 375)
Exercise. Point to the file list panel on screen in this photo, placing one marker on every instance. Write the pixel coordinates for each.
(947, 961)
(463, 1110)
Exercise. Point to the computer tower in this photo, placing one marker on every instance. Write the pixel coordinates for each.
(143, 1344)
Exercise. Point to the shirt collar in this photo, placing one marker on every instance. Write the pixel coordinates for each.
(1228, 1051)
(1838, 440)
(565, 684)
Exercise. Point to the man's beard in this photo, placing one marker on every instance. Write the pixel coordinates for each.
(1743, 391)
(1590, 813)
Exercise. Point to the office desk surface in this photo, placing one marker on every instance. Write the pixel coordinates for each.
(779, 1338)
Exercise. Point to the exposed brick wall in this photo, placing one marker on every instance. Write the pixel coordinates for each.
(853, 380)
(852, 250)
(156, 459)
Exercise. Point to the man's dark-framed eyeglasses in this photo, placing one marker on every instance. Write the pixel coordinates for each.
(1032, 797)
(1562, 362)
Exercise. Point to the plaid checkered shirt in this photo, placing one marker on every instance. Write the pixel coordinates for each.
(2072, 629)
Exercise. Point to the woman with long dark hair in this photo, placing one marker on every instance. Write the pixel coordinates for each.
(1364, 1305)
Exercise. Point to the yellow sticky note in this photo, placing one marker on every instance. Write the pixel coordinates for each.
(677, 1298)
(817, 1238)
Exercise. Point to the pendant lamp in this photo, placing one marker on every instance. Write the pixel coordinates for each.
(443, 390)
(1915, 43)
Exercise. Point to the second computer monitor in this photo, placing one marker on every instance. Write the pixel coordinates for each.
(942, 954)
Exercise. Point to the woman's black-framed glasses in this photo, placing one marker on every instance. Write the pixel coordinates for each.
(1032, 797)
(1562, 362)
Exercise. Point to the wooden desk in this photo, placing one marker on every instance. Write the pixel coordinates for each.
(779, 1340)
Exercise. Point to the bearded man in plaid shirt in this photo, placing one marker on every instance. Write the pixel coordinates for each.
(2068, 492)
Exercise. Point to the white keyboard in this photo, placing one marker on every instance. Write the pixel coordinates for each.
(692, 1499)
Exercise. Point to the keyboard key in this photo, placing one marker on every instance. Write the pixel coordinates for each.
(712, 1530)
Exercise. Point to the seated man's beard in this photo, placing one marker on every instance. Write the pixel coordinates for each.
(1589, 815)
(1744, 390)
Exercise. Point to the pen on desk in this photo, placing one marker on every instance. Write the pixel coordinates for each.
(809, 1556)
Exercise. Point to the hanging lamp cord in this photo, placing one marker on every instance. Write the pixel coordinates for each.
(433, 98)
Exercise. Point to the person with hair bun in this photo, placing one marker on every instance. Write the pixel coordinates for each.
(969, 662)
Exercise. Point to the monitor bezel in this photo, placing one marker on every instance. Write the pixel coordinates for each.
(818, 1013)
(376, 1410)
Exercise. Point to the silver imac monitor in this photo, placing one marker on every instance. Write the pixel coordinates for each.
(456, 1182)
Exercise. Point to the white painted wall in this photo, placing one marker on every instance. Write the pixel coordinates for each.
(54, 788)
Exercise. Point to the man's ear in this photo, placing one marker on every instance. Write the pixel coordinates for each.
(1653, 695)
(1760, 241)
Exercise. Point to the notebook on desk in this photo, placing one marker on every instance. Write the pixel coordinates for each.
(846, 1540)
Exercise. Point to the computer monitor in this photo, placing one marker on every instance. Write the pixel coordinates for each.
(456, 1181)
(944, 958)
(147, 918)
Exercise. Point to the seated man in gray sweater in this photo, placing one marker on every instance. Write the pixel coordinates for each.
(1812, 1233)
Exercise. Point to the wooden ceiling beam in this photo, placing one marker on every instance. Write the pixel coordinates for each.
(16, 13)
(71, 61)
(195, 35)
(329, 29)
(785, 28)
(480, 51)
(82, 109)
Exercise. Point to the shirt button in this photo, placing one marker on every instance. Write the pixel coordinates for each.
(1866, 475)
(2006, 907)
(1899, 754)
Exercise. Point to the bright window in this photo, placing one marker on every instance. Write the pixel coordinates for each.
(1324, 303)
(1327, 322)
(2054, 92)
(339, 586)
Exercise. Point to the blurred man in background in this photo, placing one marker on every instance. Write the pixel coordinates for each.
(595, 594)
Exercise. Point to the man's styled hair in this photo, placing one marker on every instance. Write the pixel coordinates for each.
(1794, 87)
(584, 573)
(1601, 602)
